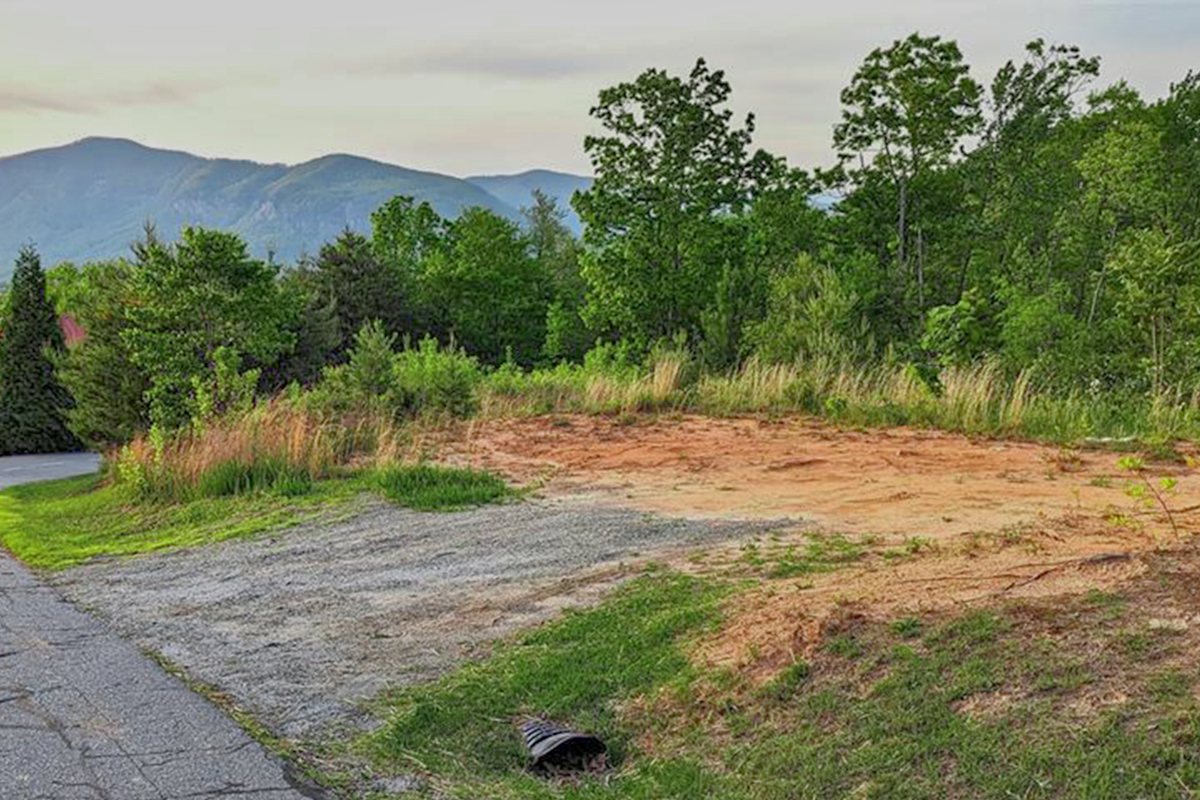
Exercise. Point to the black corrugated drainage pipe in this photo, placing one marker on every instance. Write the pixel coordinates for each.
(554, 748)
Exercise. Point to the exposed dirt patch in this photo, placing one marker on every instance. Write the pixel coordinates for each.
(949, 521)
(301, 626)
(896, 482)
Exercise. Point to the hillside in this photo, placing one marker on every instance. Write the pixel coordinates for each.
(515, 190)
(90, 199)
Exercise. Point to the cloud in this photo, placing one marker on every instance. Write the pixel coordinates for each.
(82, 100)
(481, 59)
(15, 99)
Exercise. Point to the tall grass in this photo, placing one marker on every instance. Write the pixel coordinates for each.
(587, 389)
(974, 399)
(279, 446)
(285, 445)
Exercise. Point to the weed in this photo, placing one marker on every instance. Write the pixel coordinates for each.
(845, 646)
(1131, 463)
(918, 544)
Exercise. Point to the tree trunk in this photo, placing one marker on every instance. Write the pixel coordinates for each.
(920, 270)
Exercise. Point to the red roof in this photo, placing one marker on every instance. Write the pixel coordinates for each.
(72, 332)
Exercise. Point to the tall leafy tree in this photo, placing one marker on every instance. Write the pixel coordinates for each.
(491, 290)
(670, 165)
(405, 233)
(202, 303)
(33, 404)
(313, 327)
(350, 273)
(905, 112)
(1178, 117)
(1024, 168)
(406, 237)
(557, 253)
(108, 388)
(1158, 294)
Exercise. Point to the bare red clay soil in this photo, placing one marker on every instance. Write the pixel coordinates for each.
(946, 520)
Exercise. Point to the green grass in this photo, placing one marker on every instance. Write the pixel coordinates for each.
(574, 670)
(58, 524)
(426, 487)
(233, 479)
(983, 705)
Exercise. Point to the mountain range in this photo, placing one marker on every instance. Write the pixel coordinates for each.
(90, 199)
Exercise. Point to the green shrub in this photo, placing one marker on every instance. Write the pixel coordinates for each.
(433, 379)
(426, 379)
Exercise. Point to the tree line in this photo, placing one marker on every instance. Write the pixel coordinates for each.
(1039, 222)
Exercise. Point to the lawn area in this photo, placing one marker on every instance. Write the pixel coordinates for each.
(1086, 697)
(58, 524)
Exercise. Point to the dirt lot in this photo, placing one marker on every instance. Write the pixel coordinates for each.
(302, 625)
(895, 483)
(948, 520)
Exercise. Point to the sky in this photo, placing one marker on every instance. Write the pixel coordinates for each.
(470, 87)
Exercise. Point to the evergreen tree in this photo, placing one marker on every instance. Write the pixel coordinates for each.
(33, 404)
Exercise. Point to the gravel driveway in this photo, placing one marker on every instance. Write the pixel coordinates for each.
(303, 625)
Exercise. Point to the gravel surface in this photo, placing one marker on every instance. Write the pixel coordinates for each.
(303, 625)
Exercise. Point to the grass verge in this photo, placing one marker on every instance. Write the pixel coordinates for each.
(577, 669)
(59, 524)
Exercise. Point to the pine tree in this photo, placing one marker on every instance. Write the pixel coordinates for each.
(33, 403)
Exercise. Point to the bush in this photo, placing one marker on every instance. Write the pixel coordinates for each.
(433, 379)
(811, 313)
(426, 379)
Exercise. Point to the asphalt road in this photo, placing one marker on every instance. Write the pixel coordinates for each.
(27, 469)
(85, 716)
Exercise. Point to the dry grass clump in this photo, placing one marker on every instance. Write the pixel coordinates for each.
(587, 389)
(977, 398)
(277, 446)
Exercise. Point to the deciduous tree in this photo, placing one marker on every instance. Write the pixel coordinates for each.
(669, 166)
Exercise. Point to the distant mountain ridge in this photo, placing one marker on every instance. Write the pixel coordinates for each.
(90, 199)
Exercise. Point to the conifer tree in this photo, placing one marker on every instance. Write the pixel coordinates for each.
(33, 404)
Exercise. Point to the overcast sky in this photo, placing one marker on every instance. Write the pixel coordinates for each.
(469, 86)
